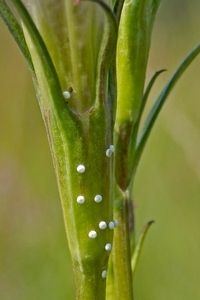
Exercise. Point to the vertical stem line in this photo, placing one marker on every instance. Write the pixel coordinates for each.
(89, 286)
(121, 255)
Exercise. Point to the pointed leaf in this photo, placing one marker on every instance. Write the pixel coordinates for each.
(144, 100)
(138, 248)
(149, 87)
(153, 114)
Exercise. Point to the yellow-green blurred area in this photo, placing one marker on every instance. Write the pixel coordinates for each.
(34, 260)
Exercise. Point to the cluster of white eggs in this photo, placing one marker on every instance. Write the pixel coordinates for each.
(92, 234)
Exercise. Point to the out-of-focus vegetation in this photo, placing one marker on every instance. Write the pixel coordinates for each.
(34, 262)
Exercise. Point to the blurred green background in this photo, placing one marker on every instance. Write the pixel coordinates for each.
(34, 260)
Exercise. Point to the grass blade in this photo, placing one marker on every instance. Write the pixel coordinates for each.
(144, 100)
(138, 248)
(149, 88)
(154, 112)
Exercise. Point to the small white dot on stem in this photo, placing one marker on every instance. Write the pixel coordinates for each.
(80, 199)
(108, 247)
(98, 198)
(66, 94)
(112, 148)
(102, 225)
(109, 152)
(80, 168)
(92, 234)
(111, 224)
(104, 274)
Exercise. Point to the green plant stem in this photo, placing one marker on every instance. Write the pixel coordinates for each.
(121, 256)
(88, 255)
(89, 287)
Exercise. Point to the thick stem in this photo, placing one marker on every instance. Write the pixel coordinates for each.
(86, 238)
(121, 256)
(89, 286)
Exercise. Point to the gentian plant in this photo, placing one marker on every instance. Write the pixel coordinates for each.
(88, 61)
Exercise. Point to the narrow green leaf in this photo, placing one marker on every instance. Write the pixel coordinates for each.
(149, 88)
(16, 30)
(139, 246)
(144, 100)
(154, 112)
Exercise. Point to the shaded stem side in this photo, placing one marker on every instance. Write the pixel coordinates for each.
(89, 286)
(121, 254)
